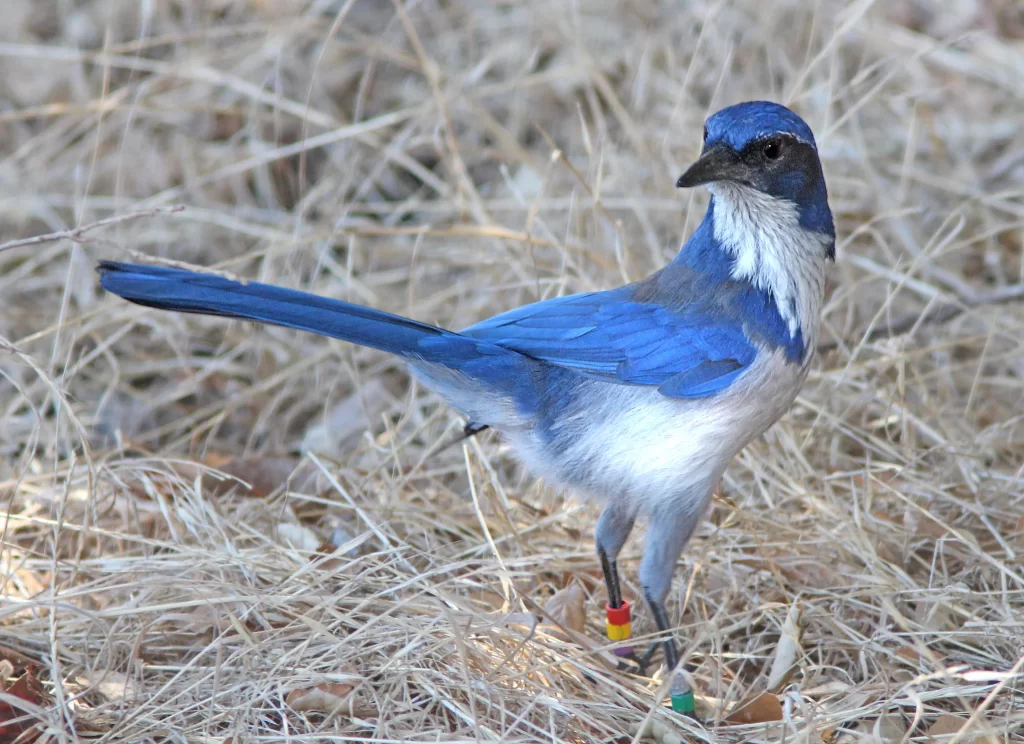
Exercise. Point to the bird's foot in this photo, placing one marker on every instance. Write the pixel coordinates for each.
(680, 690)
(619, 629)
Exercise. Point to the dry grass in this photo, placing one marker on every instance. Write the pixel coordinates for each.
(405, 158)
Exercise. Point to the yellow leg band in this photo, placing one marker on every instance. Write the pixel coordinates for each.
(618, 632)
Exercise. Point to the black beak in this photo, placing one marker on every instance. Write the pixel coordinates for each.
(719, 163)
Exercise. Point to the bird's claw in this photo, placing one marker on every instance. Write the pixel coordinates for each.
(680, 692)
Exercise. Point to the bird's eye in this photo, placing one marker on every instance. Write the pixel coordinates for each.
(772, 149)
(705, 132)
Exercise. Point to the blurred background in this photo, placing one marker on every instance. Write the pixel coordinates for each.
(216, 531)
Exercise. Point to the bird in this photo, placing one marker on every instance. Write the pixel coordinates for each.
(637, 397)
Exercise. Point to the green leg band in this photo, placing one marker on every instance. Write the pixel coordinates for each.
(682, 702)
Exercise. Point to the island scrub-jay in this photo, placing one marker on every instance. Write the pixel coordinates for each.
(637, 396)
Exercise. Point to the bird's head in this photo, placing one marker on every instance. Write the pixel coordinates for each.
(768, 224)
(759, 157)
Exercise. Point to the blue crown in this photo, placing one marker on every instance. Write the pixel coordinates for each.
(743, 123)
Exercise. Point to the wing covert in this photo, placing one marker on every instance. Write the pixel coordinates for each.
(690, 353)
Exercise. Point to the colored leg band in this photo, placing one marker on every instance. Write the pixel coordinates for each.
(681, 695)
(682, 703)
(618, 627)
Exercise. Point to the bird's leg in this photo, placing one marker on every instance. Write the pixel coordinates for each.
(610, 569)
(668, 532)
(667, 644)
(613, 527)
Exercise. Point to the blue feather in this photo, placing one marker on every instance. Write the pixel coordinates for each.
(626, 342)
(209, 294)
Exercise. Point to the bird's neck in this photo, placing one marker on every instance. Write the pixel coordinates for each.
(751, 237)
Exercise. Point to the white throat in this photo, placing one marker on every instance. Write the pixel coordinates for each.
(773, 252)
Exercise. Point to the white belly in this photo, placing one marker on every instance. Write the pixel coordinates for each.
(631, 442)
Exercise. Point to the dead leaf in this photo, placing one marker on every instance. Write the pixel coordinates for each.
(329, 697)
(14, 720)
(203, 619)
(567, 607)
(889, 551)
(764, 708)
(323, 698)
(909, 654)
(912, 655)
(27, 688)
(657, 731)
(921, 524)
(526, 619)
(787, 652)
(263, 474)
(297, 536)
(937, 617)
(886, 729)
(490, 598)
(948, 725)
(113, 685)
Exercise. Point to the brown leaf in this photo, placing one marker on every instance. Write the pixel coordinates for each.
(763, 708)
(809, 572)
(912, 655)
(490, 598)
(263, 474)
(890, 552)
(329, 697)
(28, 688)
(323, 698)
(889, 728)
(567, 607)
(948, 725)
(14, 721)
(207, 619)
(921, 524)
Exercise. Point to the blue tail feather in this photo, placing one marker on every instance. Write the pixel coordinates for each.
(209, 294)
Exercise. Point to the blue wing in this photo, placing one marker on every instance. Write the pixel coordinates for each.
(687, 353)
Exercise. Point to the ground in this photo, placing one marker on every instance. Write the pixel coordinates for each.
(220, 532)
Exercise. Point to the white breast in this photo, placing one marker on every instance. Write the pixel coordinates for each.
(634, 443)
